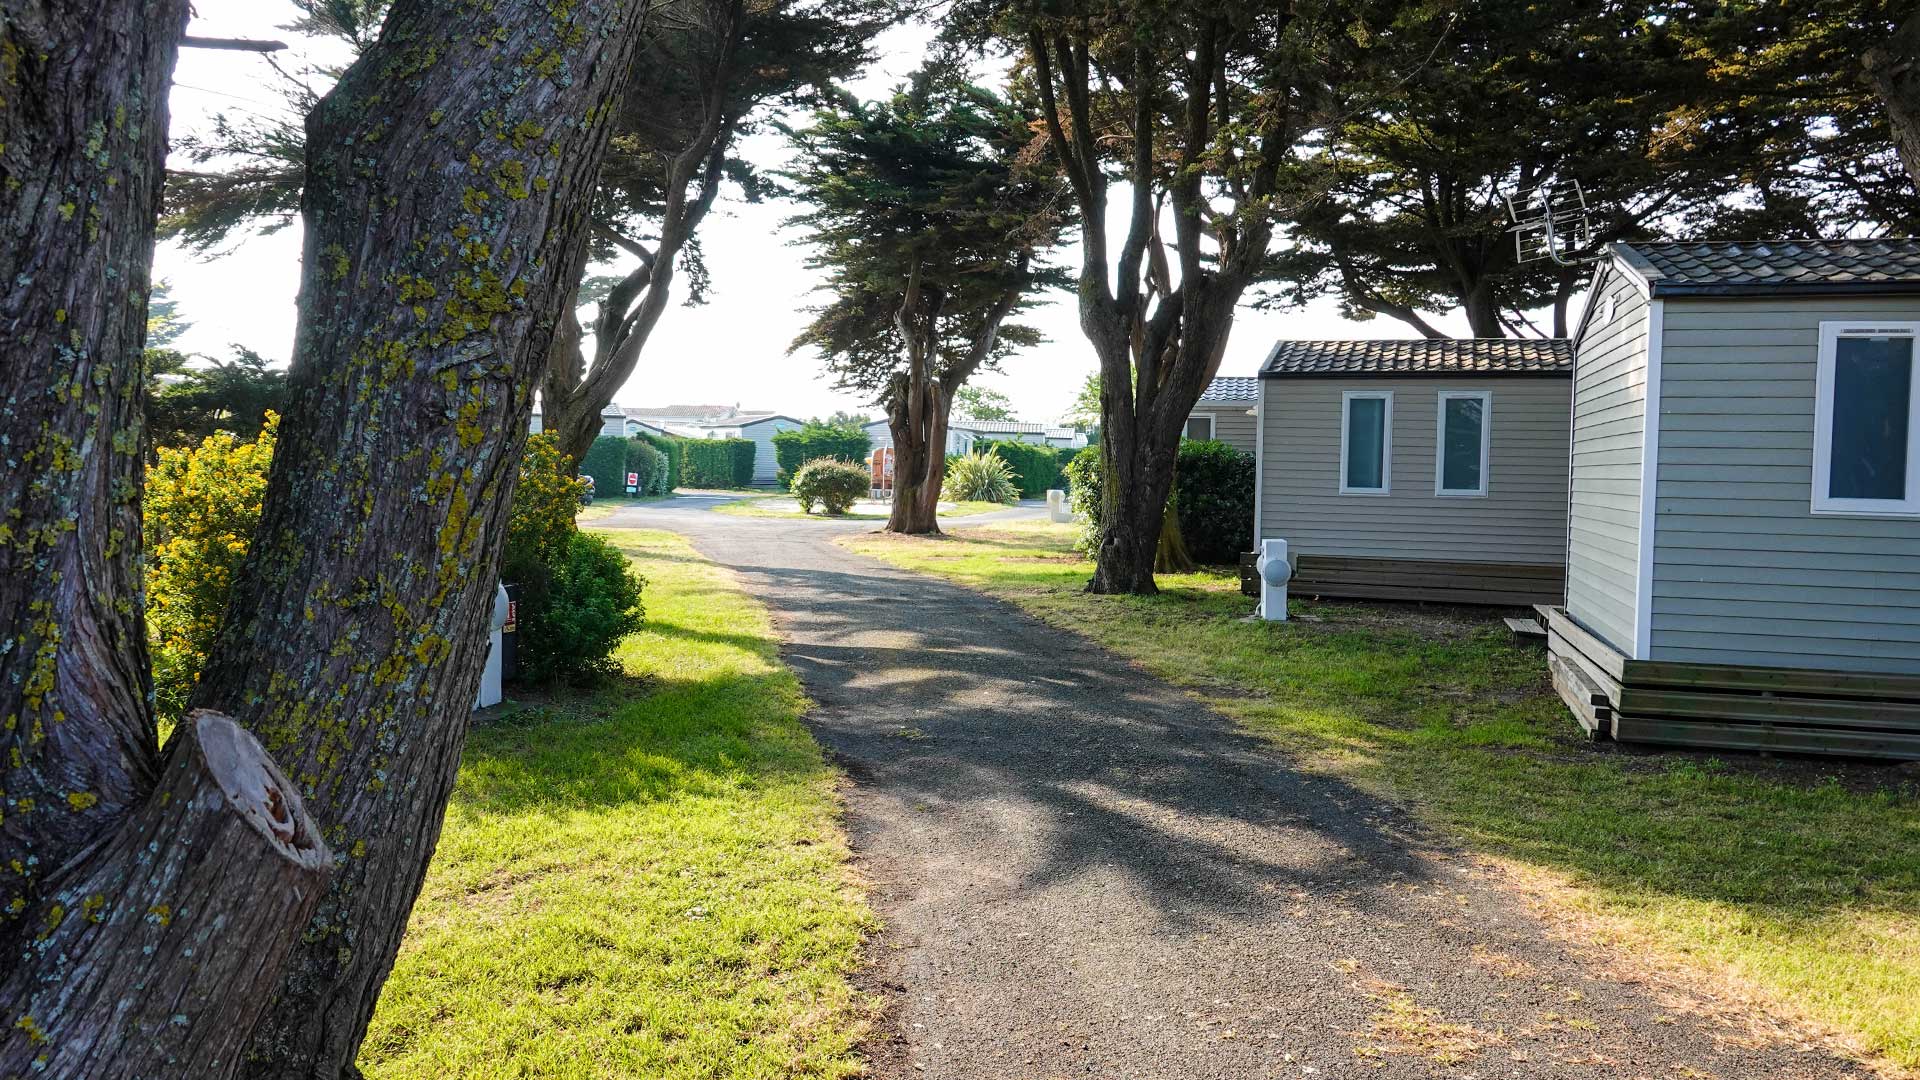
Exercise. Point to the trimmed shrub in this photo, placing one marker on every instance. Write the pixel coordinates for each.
(202, 504)
(670, 448)
(649, 464)
(591, 602)
(1035, 468)
(606, 462)
(831, 482)
(1083, 495)
(816, 442)
(1213, 495)
(574, 607)
(979, 477)
(717, 463)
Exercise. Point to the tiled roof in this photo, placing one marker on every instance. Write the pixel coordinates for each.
(998, 427)
(684, 412)
(1748, 268)
(1419, 356)
(1232, 388)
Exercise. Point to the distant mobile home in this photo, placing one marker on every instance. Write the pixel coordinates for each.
(1744, 543)
(1417, 470)
(960, 440)
(1225, 412)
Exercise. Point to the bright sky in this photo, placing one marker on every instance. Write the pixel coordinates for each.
(732, 351)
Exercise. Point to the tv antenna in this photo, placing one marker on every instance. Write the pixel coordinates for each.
(1550, 221)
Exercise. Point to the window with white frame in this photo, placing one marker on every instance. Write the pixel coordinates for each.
(1366, 442)
(1199, 427)
(1463, 434)
(1866, 425)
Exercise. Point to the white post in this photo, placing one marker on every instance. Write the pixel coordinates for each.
(1057, 508)
(1274, 572)
(490, 676)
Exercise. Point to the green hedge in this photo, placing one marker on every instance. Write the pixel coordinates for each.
(606, 463)
(1035, 467)
(1212, 495)
(717, 463)
(610, 459)
(669, 447)
(818, 442)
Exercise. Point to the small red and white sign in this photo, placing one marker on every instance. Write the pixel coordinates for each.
(633, 481)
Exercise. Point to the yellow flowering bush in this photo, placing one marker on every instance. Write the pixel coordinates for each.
(202, 503)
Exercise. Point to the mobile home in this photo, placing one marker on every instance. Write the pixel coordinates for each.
(1417, 470)
(1744, 543)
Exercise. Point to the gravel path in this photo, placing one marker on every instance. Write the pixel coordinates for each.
(1084, 873)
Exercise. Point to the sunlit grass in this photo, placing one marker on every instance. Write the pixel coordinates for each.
(1800, 877)
(647, 881)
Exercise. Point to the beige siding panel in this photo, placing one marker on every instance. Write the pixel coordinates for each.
(1609, 429)
(1521, 519)
(1233, 423)
(1744, 571)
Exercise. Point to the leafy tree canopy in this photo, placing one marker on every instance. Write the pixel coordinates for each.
(983, 404)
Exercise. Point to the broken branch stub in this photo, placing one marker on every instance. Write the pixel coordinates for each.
(156, 953)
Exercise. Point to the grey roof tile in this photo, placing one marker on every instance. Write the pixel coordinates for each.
(1232, 388)
(1751, 268)
(1419, 356)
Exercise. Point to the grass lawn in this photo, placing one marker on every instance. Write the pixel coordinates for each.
(644, 881)
(864, 510)
(1795, 880)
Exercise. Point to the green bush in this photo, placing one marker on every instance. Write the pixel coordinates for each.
(201, 506)
(815, 442)
(834, 483)
(1083, 495)
(606, 462)
(670, 448)
(1035, 468)
(591, 602)
(650, 465)
(980, 477)
(1213, 496)
(573, 612)
(717, 463)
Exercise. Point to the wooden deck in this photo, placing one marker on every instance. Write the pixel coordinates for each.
(1498, 584)
(1803, 710)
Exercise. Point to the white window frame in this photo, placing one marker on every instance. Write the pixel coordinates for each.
(1211, 426)
(1386, 440)
(1485, 397)
(1830, 335)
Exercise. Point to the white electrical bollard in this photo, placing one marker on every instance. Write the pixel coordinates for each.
(1057, 508)
(1274, 572)
(490, 676)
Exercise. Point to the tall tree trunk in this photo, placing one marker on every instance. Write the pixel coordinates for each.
(1141, 431)
(446, 197)
(936, 476)
(83, 127)
(1893, 70)
(912, 456)
(128, 950)
(572, 419)
(911, 409)
(1483, 310)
